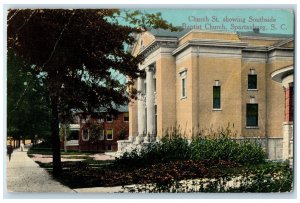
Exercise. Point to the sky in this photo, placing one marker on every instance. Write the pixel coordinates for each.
(279, 21)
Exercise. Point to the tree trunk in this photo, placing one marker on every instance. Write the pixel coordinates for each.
(55, 137)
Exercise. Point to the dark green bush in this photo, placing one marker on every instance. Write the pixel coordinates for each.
(224, 148)
(266, 177)
(175, 147)
(169, 149)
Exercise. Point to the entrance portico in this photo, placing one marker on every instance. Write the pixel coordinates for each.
(146, 107)
(285, 76)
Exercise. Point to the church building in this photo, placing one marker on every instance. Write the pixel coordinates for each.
(197, 80)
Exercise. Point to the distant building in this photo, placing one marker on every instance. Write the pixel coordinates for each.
(92, 133)
(202, 79)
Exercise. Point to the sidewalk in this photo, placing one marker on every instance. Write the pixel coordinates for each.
(24, 175)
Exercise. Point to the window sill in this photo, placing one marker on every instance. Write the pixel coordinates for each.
(216, 109)
(255, 90)
(252, 127)
(183, 98)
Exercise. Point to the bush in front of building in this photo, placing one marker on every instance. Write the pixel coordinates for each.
(227, 149)
(174, 147)
(265, 177)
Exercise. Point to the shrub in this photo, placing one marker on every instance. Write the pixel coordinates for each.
(175, 146)
(224, 148)
(169, 149)
(267, 177)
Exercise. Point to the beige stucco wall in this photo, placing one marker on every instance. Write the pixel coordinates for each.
(259, 66)
(165, 93)
(184, 105)
(228, 72)
(195, 113)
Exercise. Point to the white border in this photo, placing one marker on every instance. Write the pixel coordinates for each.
(131, 4)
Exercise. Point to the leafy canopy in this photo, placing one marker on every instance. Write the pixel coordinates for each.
(77, 50)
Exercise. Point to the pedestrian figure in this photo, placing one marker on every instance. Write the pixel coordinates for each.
(22, 146)
(9, 151)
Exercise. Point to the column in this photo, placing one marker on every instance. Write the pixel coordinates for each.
(141, 110)
(150, 100)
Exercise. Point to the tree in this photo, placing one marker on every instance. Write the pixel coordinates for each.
(76, 52)
(27, 102)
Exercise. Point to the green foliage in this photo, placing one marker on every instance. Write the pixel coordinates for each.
(122, 134)
(27, 102)
(268, 177)
(64, 130)
(224, 148)
(175, 146)
(95, 132)
(82, 79)
(169, 149)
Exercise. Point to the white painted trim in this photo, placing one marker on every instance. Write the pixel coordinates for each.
(75, 126)
(72, 143)
(217, 109)
(287, 80)
(277, 74)
(210, 43)
(252, 127)
(262, 38)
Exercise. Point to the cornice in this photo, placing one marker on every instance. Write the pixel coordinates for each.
(209, 42)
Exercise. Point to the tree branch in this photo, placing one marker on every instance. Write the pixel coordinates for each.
(17, 11)
(26, 21)
(60, 36)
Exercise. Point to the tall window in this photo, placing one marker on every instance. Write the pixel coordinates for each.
(126, 117)
(85, 134)
(183, 87)
(217, 95)
(109, 134)
(109, 118)
(252, 80)
(252, 115)
(182, 75)
(74, 134)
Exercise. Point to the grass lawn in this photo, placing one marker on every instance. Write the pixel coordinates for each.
(162, 175)
(91, 173)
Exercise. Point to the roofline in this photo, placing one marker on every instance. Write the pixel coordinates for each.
(206, 31)
(263, 37)
(210, 42)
